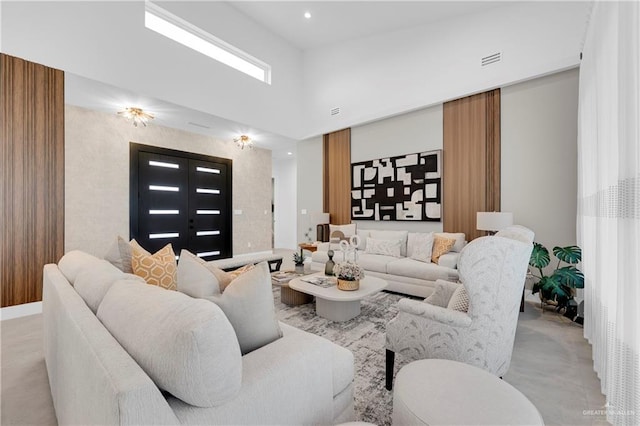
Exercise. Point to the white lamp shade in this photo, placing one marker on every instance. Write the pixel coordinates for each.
(320, 218)
(493, 221)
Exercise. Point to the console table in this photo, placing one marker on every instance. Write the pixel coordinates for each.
(274, 261)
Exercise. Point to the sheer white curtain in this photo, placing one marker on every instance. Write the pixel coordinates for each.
(609, 202)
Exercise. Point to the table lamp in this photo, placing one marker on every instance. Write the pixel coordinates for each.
(493, 221)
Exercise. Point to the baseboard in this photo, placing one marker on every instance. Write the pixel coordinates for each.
(18, 311)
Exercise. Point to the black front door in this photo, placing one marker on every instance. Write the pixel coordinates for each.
(183, 199)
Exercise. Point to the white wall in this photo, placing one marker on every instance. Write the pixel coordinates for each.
(285, 202)
(416, 131)
(108, 42)
(539, 155)
(97, 180)
(309, 178)
(379, 76)
(539, 120)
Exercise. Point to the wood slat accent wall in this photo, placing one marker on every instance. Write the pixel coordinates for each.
(336, 188)
(32, 131)
(471, 169)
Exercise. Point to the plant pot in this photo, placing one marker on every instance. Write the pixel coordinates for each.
(300, 268)
(347, 285)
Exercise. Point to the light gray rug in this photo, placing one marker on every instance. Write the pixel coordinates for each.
(365, 337)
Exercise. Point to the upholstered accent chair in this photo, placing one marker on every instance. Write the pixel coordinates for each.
(493, 271)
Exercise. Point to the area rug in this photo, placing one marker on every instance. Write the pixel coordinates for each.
(365, 337)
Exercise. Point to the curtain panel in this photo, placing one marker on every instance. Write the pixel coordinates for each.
(609, 203)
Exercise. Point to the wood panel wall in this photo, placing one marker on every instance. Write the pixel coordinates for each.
(32, 132)
(471, 169)
(336, 188)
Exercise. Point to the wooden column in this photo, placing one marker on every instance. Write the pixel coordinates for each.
(336, 186)
(32, 132)
(471, 170)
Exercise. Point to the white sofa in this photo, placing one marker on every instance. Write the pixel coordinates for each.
(404, 274)
(297, 379)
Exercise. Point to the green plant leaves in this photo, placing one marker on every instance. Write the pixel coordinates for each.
(569, 276)
(557, 287)
(569, 254)
(539, 256)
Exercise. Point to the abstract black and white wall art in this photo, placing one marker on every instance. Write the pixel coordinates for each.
(407, 187)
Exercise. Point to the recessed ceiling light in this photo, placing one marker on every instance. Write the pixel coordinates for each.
(289, 153)
(307, 15)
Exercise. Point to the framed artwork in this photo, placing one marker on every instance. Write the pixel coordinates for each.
(408, 187)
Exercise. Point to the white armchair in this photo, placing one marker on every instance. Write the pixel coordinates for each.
(492, 271)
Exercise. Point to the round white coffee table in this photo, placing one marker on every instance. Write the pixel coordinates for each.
(338, 305)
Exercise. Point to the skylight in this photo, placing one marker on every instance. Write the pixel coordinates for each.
(187, 34)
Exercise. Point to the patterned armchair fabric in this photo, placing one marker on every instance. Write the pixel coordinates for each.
(493, 271)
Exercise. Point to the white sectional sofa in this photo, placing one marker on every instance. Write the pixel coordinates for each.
(403, 273)
(92, 311)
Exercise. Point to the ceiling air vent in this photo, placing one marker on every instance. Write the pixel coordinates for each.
(335, 111)
(491, 59)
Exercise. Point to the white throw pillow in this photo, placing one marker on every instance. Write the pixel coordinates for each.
(363, 235)
(248, 304)
(459, 300)
(347, 230)
(187, 346)
(421, 245)
(194, 278)
(392, 235)
(384, 247)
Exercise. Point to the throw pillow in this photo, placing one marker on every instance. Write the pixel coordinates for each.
(422, 245)
(157, 269)
(441, 246)
(458, 236)
(121, 252)
(384, 247)
(248, 304)
(347, 230)
(237, 272)
(195, 278)
(185, 345)
(113, 255)
(442, 294)
(459, 300)
(392, 235)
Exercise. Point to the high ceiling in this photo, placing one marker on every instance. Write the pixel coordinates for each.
(339, 21)
(331, 22)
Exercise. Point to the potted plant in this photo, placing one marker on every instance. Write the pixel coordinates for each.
(298, 259)
(558, 288)
(349, 275)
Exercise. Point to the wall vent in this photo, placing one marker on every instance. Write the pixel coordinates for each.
(204, 126)
(335, 111)
(491, 59)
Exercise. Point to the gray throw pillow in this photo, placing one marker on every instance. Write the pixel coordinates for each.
(248, 304)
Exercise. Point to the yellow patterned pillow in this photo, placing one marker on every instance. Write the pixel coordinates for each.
(236, 273)
(156, 269)
(441, 246)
